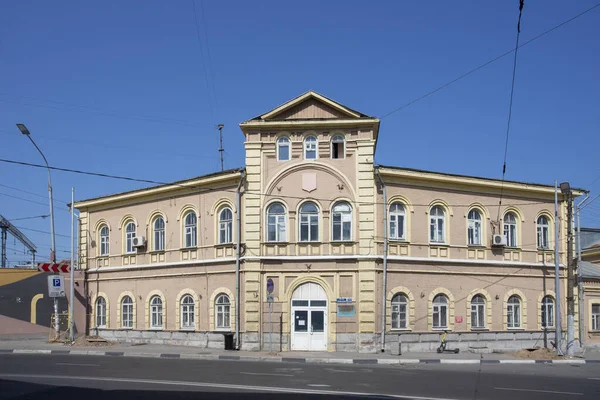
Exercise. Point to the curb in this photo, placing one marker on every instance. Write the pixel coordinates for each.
(309, 360)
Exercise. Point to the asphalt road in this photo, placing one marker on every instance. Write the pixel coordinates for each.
(94, 377)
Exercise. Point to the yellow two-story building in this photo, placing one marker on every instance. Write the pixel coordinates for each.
(345, 255)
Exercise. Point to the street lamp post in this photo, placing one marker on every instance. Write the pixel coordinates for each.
(26, 132)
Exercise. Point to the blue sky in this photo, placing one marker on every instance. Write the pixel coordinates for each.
(120, 87)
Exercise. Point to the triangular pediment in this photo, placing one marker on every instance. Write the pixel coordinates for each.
(310, 106)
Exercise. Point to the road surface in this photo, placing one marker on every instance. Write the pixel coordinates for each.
(105, 377)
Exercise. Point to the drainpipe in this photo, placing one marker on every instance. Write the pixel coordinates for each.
(385, 256)
(238, 255)
(579, 278)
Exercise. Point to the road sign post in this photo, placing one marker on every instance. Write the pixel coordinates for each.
(270, 288)
(56, 286)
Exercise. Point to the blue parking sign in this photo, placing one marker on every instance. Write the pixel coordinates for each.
(56, 282)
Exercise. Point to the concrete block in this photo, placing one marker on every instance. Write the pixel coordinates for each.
(148, 334)
(254, 337)
(523, 336)
(250, 346)
(391, 338)
(505, 336)
(345, 338)
(346, 347)
(469, 336)
(430, 337)
(215, 337)
(409, 337)
(181, 335)
(395, 349)
(487, 336)
(132, 335)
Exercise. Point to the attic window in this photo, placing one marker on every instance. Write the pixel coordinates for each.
(337, 147)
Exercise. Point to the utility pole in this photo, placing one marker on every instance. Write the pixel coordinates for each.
(557, 322)
(566, 189)
(221, 149)
(72, 273)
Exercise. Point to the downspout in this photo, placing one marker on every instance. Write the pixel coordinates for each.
(385, 256)
(238, 255)
(579, 278)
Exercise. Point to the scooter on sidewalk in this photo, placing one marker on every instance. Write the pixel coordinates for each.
(443, 342)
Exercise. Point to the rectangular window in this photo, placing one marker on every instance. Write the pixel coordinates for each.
(337, 150)
(478, 316)
(474, 232)
(548, 315)
(190, 236)
(342, 226)
(276, 228)
(542, 234)
(222, 316)
(284, 152)
(440, 312)
(129, 242)
(156, 317)
(104, 245)
(309, 228)
(510, 231)
(437, 230)
(187, 316)
(127, 317)
(399, 316)
(159, 240)
(596, 317)
(513, 315)
(396, 226)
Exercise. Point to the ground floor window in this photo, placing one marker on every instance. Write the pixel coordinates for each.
(101, 312)
(156, 312)
(478, 312)
(127, 312)
(547, 312)
(596, 317)
(513, 312)
(187, 312)
(440, 312)
(223, 312)
(399, 311)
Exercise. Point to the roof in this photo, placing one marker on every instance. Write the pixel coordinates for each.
(590, 238)
(183, 183)
(307, 95)
(589, 270)
(546, 186)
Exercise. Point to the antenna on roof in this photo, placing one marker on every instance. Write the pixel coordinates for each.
(221, 149)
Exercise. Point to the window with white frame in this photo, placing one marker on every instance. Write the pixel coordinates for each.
(478, 312)
(440, 312)
(104, 240)
(225, 226)
(129, 235)
(437, 219)
(397, 221)
(101, 312)
(156, 312)
(283, 148)
(510, 229)
(309, 222)
(596, 317)
(474, 228)
(190, 231)
(543, 232)
(276, 223)
(341, 221)
(399, 311)
(338, 147)
(547, 312)
(310, 148)
(222, 312)
(159, 234)
(187, 312)
(127, 312)
(513, 312)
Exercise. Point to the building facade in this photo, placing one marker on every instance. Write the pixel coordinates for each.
(338, 253)
(589, 285)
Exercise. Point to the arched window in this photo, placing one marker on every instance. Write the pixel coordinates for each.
(225, 226)
(159, 234)
(310, 148)
(543, 232)
(101, 312)
(104, 240)
(342, 221)
(474, 228)
(187, 312)
(283, 148)
(440, 311)
(156, 312)
(436, 225)
(190, 231)
(547, 312)
(478, 312)
(399, 311)
(127, 312)
(276, 223)
(222, 312)
(309, 222)
(397, 221)
(510, 229)
(513, 312)
(129, 235)
(337, 147)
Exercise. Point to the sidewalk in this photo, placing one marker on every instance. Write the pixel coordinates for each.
(33, 346)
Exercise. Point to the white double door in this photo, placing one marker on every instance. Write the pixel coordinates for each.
(309, 318)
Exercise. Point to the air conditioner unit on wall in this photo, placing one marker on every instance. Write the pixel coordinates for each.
(139, 241)
(499, 240)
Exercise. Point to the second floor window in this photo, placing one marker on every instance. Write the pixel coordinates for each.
(474, 228)
(342, 221)
(437, 225)
(283, 148)
(337, 147)
(104, 241)
(510, 229)
(190, 230)
(397, 221)
(309, 222)
(159, 234)
(225, 226)
(276, 217)
(543, 229)
(129, 235)
(310, 148)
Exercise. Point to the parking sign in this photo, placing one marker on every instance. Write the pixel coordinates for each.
(56, 286)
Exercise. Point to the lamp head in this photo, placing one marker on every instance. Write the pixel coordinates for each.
(565, 188)
(23, 129)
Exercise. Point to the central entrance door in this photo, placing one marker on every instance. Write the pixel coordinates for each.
(309, 318)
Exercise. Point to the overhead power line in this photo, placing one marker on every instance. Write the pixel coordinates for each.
(20, 219)
(201, 189)
(31, 193)
(445, 85)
